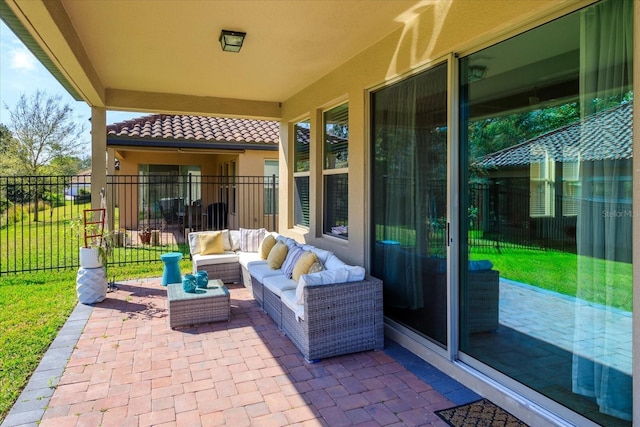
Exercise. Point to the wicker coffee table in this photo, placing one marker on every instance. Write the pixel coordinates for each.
(205, 305)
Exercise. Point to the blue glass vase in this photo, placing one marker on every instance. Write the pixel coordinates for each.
(203, 278)
(189, 282)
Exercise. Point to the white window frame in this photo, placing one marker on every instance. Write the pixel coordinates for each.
(330, 171)
(301, 174)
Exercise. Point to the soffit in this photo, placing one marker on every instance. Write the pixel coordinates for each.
(164, 56)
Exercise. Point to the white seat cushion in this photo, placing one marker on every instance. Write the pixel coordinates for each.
(277, 284)
(223, 258)
(246, 258)
(288, 299)
(260, 271)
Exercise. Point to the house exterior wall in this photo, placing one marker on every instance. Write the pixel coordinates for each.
(421, 42)
(249, 163)
(465, 26)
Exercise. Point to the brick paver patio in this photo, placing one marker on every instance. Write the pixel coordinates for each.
(129, 368)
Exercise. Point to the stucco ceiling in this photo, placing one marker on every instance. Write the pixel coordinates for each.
(146, 52)
(164, 56)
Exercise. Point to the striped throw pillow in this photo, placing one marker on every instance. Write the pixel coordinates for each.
(250, 239)
(290, 262)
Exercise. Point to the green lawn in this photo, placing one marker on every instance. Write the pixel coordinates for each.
(562, 272)
(567, 274)
(33, 307)
(51, 242)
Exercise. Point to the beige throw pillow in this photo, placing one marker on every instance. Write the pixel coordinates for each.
(305, 261)
(266, 245)
(211, 243)
(277, 255)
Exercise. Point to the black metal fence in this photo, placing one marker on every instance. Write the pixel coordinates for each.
(499, 217)
(147, 215)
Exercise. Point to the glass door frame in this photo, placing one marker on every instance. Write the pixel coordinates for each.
(494, 384)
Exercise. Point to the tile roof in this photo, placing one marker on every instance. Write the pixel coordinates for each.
(197, 129)
(303, 137)
(605, 135)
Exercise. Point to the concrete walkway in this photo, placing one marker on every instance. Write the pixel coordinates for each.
(593, 331)
(119, 364)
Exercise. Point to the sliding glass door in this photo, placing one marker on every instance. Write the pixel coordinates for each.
(546, 287)
(409, 179)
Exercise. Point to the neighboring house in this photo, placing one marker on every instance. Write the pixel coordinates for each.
(79, 189)
(555, 175)
(189, 165)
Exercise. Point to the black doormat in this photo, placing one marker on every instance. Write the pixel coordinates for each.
(482, 413)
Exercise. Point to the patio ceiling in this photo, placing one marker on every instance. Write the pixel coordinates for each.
(164, 56)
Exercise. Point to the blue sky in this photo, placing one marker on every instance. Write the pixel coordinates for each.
(22, 73)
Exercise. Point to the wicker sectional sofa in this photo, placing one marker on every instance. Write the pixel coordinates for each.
(227, 266)
(328, 313)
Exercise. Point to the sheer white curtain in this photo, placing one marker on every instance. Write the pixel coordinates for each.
(602, 346)
(395, 112)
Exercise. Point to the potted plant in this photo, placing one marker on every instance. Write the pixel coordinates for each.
(145, 235)
(91, 281)
(97, 244)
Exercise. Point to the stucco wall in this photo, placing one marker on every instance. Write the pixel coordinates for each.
(429, 36)
(249, 163)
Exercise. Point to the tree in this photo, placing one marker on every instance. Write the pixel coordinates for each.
(43, 129)
(8, 162)
(5, 139)
(65, 165)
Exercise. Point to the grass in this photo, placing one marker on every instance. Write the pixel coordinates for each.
(50, 242)
(603, 282)
(52, 231)
(33, 307)
(569, 274)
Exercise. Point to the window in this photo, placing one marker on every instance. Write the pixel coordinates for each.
(170, 188)
(409, 200)
(336, 171)
(270, 187)
(570, 188)
(542, 183)
(302, 140)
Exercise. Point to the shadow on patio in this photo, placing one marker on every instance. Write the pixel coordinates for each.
(128, 367)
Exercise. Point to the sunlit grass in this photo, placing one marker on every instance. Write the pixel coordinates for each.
(50, 242)
(595, 280)
(33, 308)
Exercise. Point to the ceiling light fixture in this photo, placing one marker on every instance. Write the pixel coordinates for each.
(231, 41)
(477, 72)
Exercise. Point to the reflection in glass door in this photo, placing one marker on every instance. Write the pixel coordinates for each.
(547, 142)
(409, 182)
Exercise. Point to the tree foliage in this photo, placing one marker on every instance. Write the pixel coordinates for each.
(43, 132)
(493, 134)
(9, 164)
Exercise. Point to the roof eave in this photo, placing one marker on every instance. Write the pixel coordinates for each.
(177, 144)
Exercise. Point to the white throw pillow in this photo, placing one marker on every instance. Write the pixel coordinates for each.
(325, 277)
(355, 272)
(250, 239)
(194, 240)
(333, 263)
